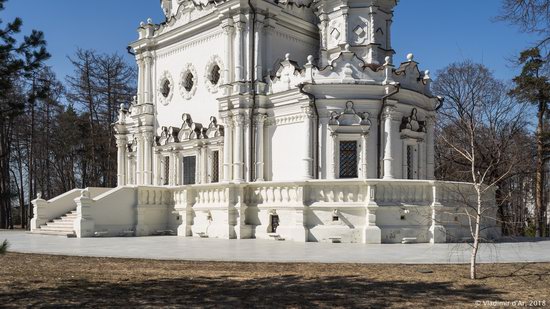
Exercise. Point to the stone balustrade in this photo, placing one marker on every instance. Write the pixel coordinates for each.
(367, 211)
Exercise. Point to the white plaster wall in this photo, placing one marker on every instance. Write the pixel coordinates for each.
(286, 151)
(115, 211)
(197, 51)
(349, 226)
(283, 42)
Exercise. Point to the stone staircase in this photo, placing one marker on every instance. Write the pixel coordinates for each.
(62, 226)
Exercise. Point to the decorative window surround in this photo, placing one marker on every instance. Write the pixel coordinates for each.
(212, 63)
(165, 100)
(185, 93)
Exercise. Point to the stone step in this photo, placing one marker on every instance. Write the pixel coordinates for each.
(58, 226)
(54, 233)
(56, 229)
(62, 222)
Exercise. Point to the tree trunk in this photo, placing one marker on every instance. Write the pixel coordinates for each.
(539, 177)
(475, 248)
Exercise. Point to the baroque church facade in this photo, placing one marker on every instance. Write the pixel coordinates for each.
(274, 120)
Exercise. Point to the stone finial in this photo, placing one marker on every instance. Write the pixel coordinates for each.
(84, 193)
(410, 57)
(427, 75)
(142, 24)
(38, 195)
(388, 60)
(310, 59)
(287, 56)
(346, 47)
(149, 21)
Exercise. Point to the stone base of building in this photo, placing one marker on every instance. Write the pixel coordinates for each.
(348, 211)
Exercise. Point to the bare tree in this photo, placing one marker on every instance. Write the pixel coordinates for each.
(479, 125)
(532, 16)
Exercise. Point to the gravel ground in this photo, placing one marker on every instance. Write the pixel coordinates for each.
(31, 280)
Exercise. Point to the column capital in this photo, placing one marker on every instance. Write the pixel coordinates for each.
(308, 111)
(260, 118)
(228, 28)
(239, 26)
(389, 111)
(121, 142)
(239, 120)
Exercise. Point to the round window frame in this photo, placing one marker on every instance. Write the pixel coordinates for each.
(166, 76)
(188, 69)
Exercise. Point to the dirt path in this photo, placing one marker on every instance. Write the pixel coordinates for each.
(43, 280)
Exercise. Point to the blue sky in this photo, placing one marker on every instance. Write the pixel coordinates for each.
(438, 32)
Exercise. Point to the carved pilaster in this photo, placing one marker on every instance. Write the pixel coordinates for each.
(122, 144)
(259, 120)
(238, 157)
(239, 27)
(228, 31)
(430, 152)
(388, 151)
(308, 142)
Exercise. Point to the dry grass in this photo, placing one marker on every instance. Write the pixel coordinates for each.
(61, 281)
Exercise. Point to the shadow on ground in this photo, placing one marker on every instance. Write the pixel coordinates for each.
(224, 291)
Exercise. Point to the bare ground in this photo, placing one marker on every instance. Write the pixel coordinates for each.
(30, 280)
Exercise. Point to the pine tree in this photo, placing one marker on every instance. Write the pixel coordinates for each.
(4, 247)
(18, 64)
(533, 87)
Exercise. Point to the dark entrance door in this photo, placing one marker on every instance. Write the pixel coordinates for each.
(274, 223)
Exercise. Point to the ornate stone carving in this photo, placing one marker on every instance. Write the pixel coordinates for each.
(412, 123)
(191, 130)
(214, 129)
(349, 121)
(168, 135)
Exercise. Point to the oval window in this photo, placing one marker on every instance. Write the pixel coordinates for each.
(188, 83)
(165, 91)
(215, 75)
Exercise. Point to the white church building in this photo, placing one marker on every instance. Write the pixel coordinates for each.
(272, 119)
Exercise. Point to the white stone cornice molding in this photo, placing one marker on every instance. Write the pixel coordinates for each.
(214, 61)
(165, 91)
(286, 119)
(187, 93)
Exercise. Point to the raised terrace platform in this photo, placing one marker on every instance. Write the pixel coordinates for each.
(343, 211)
(255, 250)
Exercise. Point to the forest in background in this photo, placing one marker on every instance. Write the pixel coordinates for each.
(56, 134)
